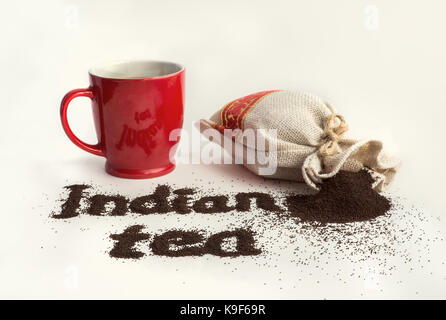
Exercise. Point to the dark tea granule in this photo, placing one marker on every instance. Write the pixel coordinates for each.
(178, 243)
(212, 204)
(245, 245)
(98, 205)
(125, 243)
(263, 201)
(70, 208)
(347, 197)
(154, 203)
(182, 201)
(313, 232)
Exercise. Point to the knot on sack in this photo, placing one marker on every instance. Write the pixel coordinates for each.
(334, 128)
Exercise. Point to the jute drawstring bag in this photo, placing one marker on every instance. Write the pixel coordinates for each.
(312, 139)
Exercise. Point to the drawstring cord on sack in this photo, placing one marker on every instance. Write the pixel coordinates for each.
(332, 133)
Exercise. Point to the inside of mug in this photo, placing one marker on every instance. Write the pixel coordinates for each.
(136, 69)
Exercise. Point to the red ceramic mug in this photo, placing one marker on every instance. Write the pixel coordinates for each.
(136, 105)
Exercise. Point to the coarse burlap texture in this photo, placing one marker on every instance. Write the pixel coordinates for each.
(312, 140)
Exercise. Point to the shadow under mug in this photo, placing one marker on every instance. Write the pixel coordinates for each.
(135, 105)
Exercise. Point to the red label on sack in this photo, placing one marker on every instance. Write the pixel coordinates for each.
(233, 114)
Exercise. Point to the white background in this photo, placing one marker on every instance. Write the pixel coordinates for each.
(380, 63)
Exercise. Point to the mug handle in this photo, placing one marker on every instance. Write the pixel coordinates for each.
(96, 148)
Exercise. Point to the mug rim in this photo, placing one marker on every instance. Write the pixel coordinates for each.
(94, 73)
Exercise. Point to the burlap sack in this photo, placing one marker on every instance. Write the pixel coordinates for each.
(312, 143)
